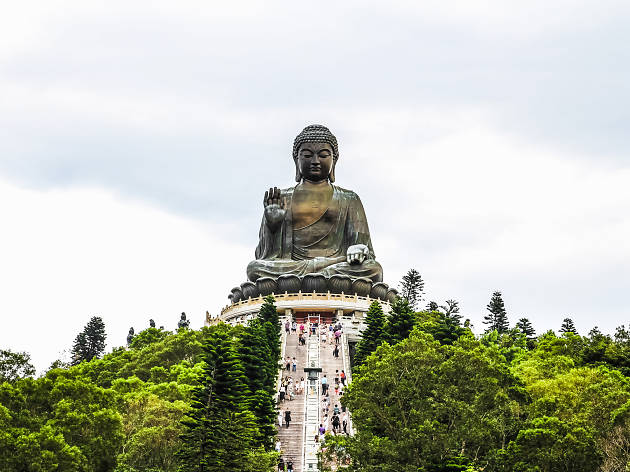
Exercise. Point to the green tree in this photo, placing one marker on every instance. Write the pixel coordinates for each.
(373, 335)
(15, 365)
(89, 343)
(270, 319)
(220, 432)
(443, 328)
(568, 326)
(420, 405)
(412, 287)
(151, 428)
(432, 306)
(37, 451)
(548, 444)
(400, 322)
(496, 319)
(451, 311)
(67, 420)
(526, 327)
(261, 372)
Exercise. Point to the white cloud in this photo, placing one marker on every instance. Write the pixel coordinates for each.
(69, 255)
(455, 121)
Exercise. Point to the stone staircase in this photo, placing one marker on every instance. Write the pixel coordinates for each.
(291, 438)
(297, 441)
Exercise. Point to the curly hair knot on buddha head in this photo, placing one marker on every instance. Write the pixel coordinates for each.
(315, 134)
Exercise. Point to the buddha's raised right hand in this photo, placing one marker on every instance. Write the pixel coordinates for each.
(274, 208)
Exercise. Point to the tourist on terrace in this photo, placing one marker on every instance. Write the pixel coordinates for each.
(324, 385)
(294, 364)
(287, 417)
(342, 376)
(336, 351)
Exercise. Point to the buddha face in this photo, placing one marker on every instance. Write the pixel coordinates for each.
(315, 161)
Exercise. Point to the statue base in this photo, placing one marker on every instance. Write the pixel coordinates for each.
(309, 283)
(302, 307)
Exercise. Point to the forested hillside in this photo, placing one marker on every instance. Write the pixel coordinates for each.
(443, 399)
(427, 395)
(148, 407)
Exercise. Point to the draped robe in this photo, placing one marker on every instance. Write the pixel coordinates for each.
(319, 247)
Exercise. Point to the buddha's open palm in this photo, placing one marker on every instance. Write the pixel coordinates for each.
(357, 253)
(274, 207)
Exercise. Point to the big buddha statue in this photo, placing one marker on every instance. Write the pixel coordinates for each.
(315, 227)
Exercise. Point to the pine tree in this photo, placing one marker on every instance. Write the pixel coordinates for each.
(432, 306)
(90, 342)
(261, 367)
(270, 319)
(412, 287)
(451, 312)
(219, 430)
(401, 321)
(568, 326)
(496, 319)
(526, 327)
(263, 405)
(373, 335)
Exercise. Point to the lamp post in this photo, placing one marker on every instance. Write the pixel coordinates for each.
(313, 374)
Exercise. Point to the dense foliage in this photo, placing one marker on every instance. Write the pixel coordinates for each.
(134, 410)
(427, 395)
(443, 399)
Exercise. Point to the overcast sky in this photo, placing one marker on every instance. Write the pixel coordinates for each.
(489, 142)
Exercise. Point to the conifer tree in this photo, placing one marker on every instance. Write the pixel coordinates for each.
(90, 342)
(568, 326)
(218, 429)
(451, 312)
(261, 371)
(270, 319)
(261, 368)
(401, 321)
(432, 306)
(496, 319)
(412, 287)
(373, 335)
(263, 405)
(526, 327)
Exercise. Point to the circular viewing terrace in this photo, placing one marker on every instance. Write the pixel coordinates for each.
(301, 304)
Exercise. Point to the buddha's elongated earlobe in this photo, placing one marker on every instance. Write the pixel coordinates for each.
(298, 174)
(331, 176)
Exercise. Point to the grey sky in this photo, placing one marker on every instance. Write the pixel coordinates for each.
(487, 140)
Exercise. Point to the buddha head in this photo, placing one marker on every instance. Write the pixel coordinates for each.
(315, 153)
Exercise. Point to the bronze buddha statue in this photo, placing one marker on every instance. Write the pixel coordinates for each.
(316, 226)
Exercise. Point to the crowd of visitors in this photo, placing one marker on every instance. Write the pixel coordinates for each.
(334, 418)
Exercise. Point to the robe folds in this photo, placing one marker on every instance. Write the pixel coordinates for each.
(319, 247)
